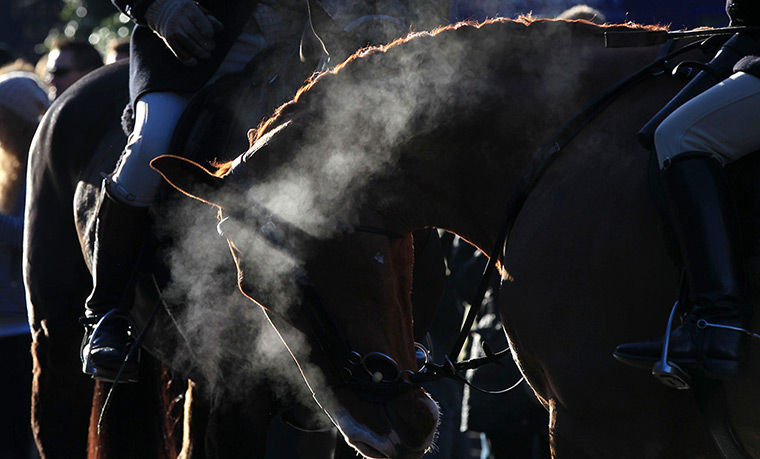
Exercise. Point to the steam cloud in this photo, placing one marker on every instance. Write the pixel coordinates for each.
(231, 342)
(366, 118)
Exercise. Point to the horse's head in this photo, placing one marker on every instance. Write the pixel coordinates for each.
(340, 299)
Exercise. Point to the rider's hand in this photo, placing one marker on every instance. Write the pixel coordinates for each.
(186, 29)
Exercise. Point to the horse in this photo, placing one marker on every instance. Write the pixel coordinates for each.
(64, 173)
(229, 402)
(436, 130)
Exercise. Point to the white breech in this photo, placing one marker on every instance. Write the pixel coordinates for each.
(723, 121)
(156, 115)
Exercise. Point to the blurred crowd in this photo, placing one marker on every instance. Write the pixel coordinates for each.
(26, 91)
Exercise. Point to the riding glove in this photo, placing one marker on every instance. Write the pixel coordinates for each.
(187, 30)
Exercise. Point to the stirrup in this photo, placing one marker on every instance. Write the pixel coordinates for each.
(129, 370)
(668, 372)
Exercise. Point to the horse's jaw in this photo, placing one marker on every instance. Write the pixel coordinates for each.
(402, 427)
(390, 445)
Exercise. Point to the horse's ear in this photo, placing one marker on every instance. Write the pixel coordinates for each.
(189, 178)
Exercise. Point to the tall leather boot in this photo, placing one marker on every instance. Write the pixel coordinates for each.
(707, 230)
(109, 331)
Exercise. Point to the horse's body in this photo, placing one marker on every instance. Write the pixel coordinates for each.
(436, 131)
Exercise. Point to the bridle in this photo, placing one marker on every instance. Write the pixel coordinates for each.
(374, 375)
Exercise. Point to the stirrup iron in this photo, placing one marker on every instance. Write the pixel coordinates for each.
(667, 372)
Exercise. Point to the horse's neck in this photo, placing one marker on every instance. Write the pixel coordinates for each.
(460, 176)
(437, 131)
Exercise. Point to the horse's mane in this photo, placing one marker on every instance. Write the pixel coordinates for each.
(301, 99)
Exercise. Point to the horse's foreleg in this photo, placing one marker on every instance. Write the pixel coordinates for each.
(561, 447)
(629, 433)
(195, 421)
(57, 285)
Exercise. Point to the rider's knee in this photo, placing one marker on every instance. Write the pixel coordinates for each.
(677, 135)
(156, 116)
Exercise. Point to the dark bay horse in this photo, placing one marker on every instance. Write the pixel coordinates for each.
(436, 130)
(80, 137)
(206, 330)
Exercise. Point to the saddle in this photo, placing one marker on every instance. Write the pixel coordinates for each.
(213, 127)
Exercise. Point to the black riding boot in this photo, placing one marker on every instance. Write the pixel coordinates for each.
(109, 331)
(707, 230)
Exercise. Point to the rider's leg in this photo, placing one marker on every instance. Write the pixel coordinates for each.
(122, 213)
(135, 183)
(119, 233)
(715, 128)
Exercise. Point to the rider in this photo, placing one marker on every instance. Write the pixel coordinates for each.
(693, 144)
(178, 47)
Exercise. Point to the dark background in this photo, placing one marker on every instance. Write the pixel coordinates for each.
(25, 24)
(679, 14)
